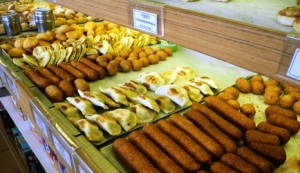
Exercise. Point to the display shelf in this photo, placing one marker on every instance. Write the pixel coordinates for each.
(256, 48)
(33, 142)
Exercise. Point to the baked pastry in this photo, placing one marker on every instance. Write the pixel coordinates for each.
(106, 123)
(124, 117)
(96, 100)
(288, 15)
(115, 94)
(148, 102)
(90, 130)
(175, 93)
(165, 104)
(70, 111)
(151, 80)
(144, 114)
(84, 105)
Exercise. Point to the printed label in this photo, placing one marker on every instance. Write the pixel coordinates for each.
(145, 21)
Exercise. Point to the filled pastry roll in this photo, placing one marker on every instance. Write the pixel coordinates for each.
(130, 94)
(208, 81)
(84, 105)
(107, 100)
(148, 102)
(151, 80)
(70, 111)
(106, 123)
(126, 118)
(137, 87)
(193, 93)
(165, 104)
(203, 87)
(144, 114)
(115, 94)
(90, 130)
(96, 100)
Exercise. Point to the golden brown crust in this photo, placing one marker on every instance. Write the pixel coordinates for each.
(72, 70)
(62, 74)
(100, 70)
(67, 88)
(236, 162)
(37, 79)
(219, 167)
(49, 75)
(279, 110)
(257, 136)
(90, 73)
(283, 134)
(291, 125)
(54, 93)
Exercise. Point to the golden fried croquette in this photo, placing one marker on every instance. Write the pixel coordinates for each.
(131, 58)
(81, 84)
(233, 90)
(142, 54)
(233, 103)
(54, 94)
(226, 96)
(134, 54)
(257, 87)
(248, 109)
(287, 101)
(296, 107)
(6, 47)
(30, 43)
(113, 54)
(162, 55)
(112, 69)
(273, 88)
(16, 52)
(243, 85)
(271, 97)
(154, 59)
(149, 51)
(137, 65)
(145, 61)
(296, 95)
(108, 57)
(257, 78)
(119, 58)
(19, 42)
(271, 82)
(67, 88)
(290, 89)
(168, 50)
(125, 66)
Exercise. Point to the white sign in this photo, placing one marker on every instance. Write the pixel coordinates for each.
(62, 151)
(39, 122)
(145, 21)
(294, 69)
(11, 84)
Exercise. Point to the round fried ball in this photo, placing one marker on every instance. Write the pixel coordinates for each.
(257, 78)
(296, 95)
(67, 88)
(54, 93)
(296, 107)
(112, 69)
(131, 58)
(116, 62)
(257, 87)
(271, 97)
(125, 66)
(290, 89)
(133, 54)
(113, 54)
(154, 59)
(234, 91)
(287, 101)
(233, 103)
(271, 82)
(162, 55)
(248, 109)
(226, 96)
(273, 88)
(108, 57)
(137, 49)
(101, 58)
(119, 58)
(243, 85)
(137, 65)
(124, 54)
(168, 50)
(81, 84)
(145, 61)
(149, 51)
(142, 54)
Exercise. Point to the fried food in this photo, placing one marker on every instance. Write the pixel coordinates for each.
(54, 94)
(296, 95)
(287, 101)
(67, 88)
(273, 88)
(261, 137)
(211, 146)
(226, 96)
(49, 75)
(137, 65)
(37, 79)
(282, 133)
(248, 109)
(30, 43)
(145, 61)
(125, 66)
(233, 103)
(81, 84)
(257, 87)
(296, 107)
(45, 36)
(112, 69)
(161, 55)
(62, 74)
(184, 160)
(153, 59)
(279, 110)
(204, 124)
(19, 42)
(290, 89)
(271, 97)
(257, 78)
(153, 152)
(16, 52)
(168, 50)
(291, 125)
(236, 162)
(275, 154)
(100, 70)
(271, 82)
(6, 47)
(72, 70)
(228, 128)
(233, 90)
(90, 73)
(187, 143)
(135, 161)
(219, 167)
(229, 113)
(243, 85)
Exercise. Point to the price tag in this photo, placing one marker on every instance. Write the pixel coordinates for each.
(12, 85)
(145, 21)
(39, 122)
(294, 69)
(62, 151)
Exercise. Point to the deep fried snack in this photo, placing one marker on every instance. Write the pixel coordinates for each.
(171, 148)
(202, 171)
(228, 128)
(283, 134)
(273, 88)
(248, 109)
(270, 82)
(62, 74)
(296, 107)
(137, 65)
(161, 55)
(290, 89)
(263, 165)
(236, 162)
(257, 87)
(226, 96)
(211, 146)
(153, 153)
(49, 75)
(67, 88)
(257, 78)
(112, 69)
(72, 70)
(233, 103)
(204, 124)
(279, 110)
(275, 154)
(229, 113)
(287, 101)
(219, 167)
(54, 93)
(243, 85)
(296, 95)
(234, 91)
(16, 52)
(135, 161)
(37, 79)
(168, 50)
(291, 125)
(125, 66)
(100, 70)
(257, 136)
(187, 143)
(145, 61)
(271, 97)
(82, 85)
(30, 43)
(90, 73)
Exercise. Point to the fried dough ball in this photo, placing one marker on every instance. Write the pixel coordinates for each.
(61, 37)
(248, 109)
(6, 47)
(296, 107)
(271, 97)
(145, 61)
(112, 69)
(92, 57)
(67, 88)
(81, 84)
(124, 54)
(273, 88)
(257, 78)
(131, 58)
(257, 87)
(162, 55)
(54, 94)
(271, 82)
(137, 49)
(30, 43)
(243, 85)
(142, 54)
(116, 62)
(46, 36)
(287, 101)
(134, 54)
(149, 51)
(296, 95)
(73, 34)
(125, 66)
(168, 50)
(137, 65)
(19, 43)
(101, 58)
(290, 89)
(113, 54)
(233, 90)
(16, 52)
(226, 96)
(154, 59)
(44, 43)
(108, 57)
(233, 103)
(119, 58)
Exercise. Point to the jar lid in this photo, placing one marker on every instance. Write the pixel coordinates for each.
(43, 13)
(10, 17)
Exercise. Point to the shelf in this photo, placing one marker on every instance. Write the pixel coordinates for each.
(31, 139)
(249, 46)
